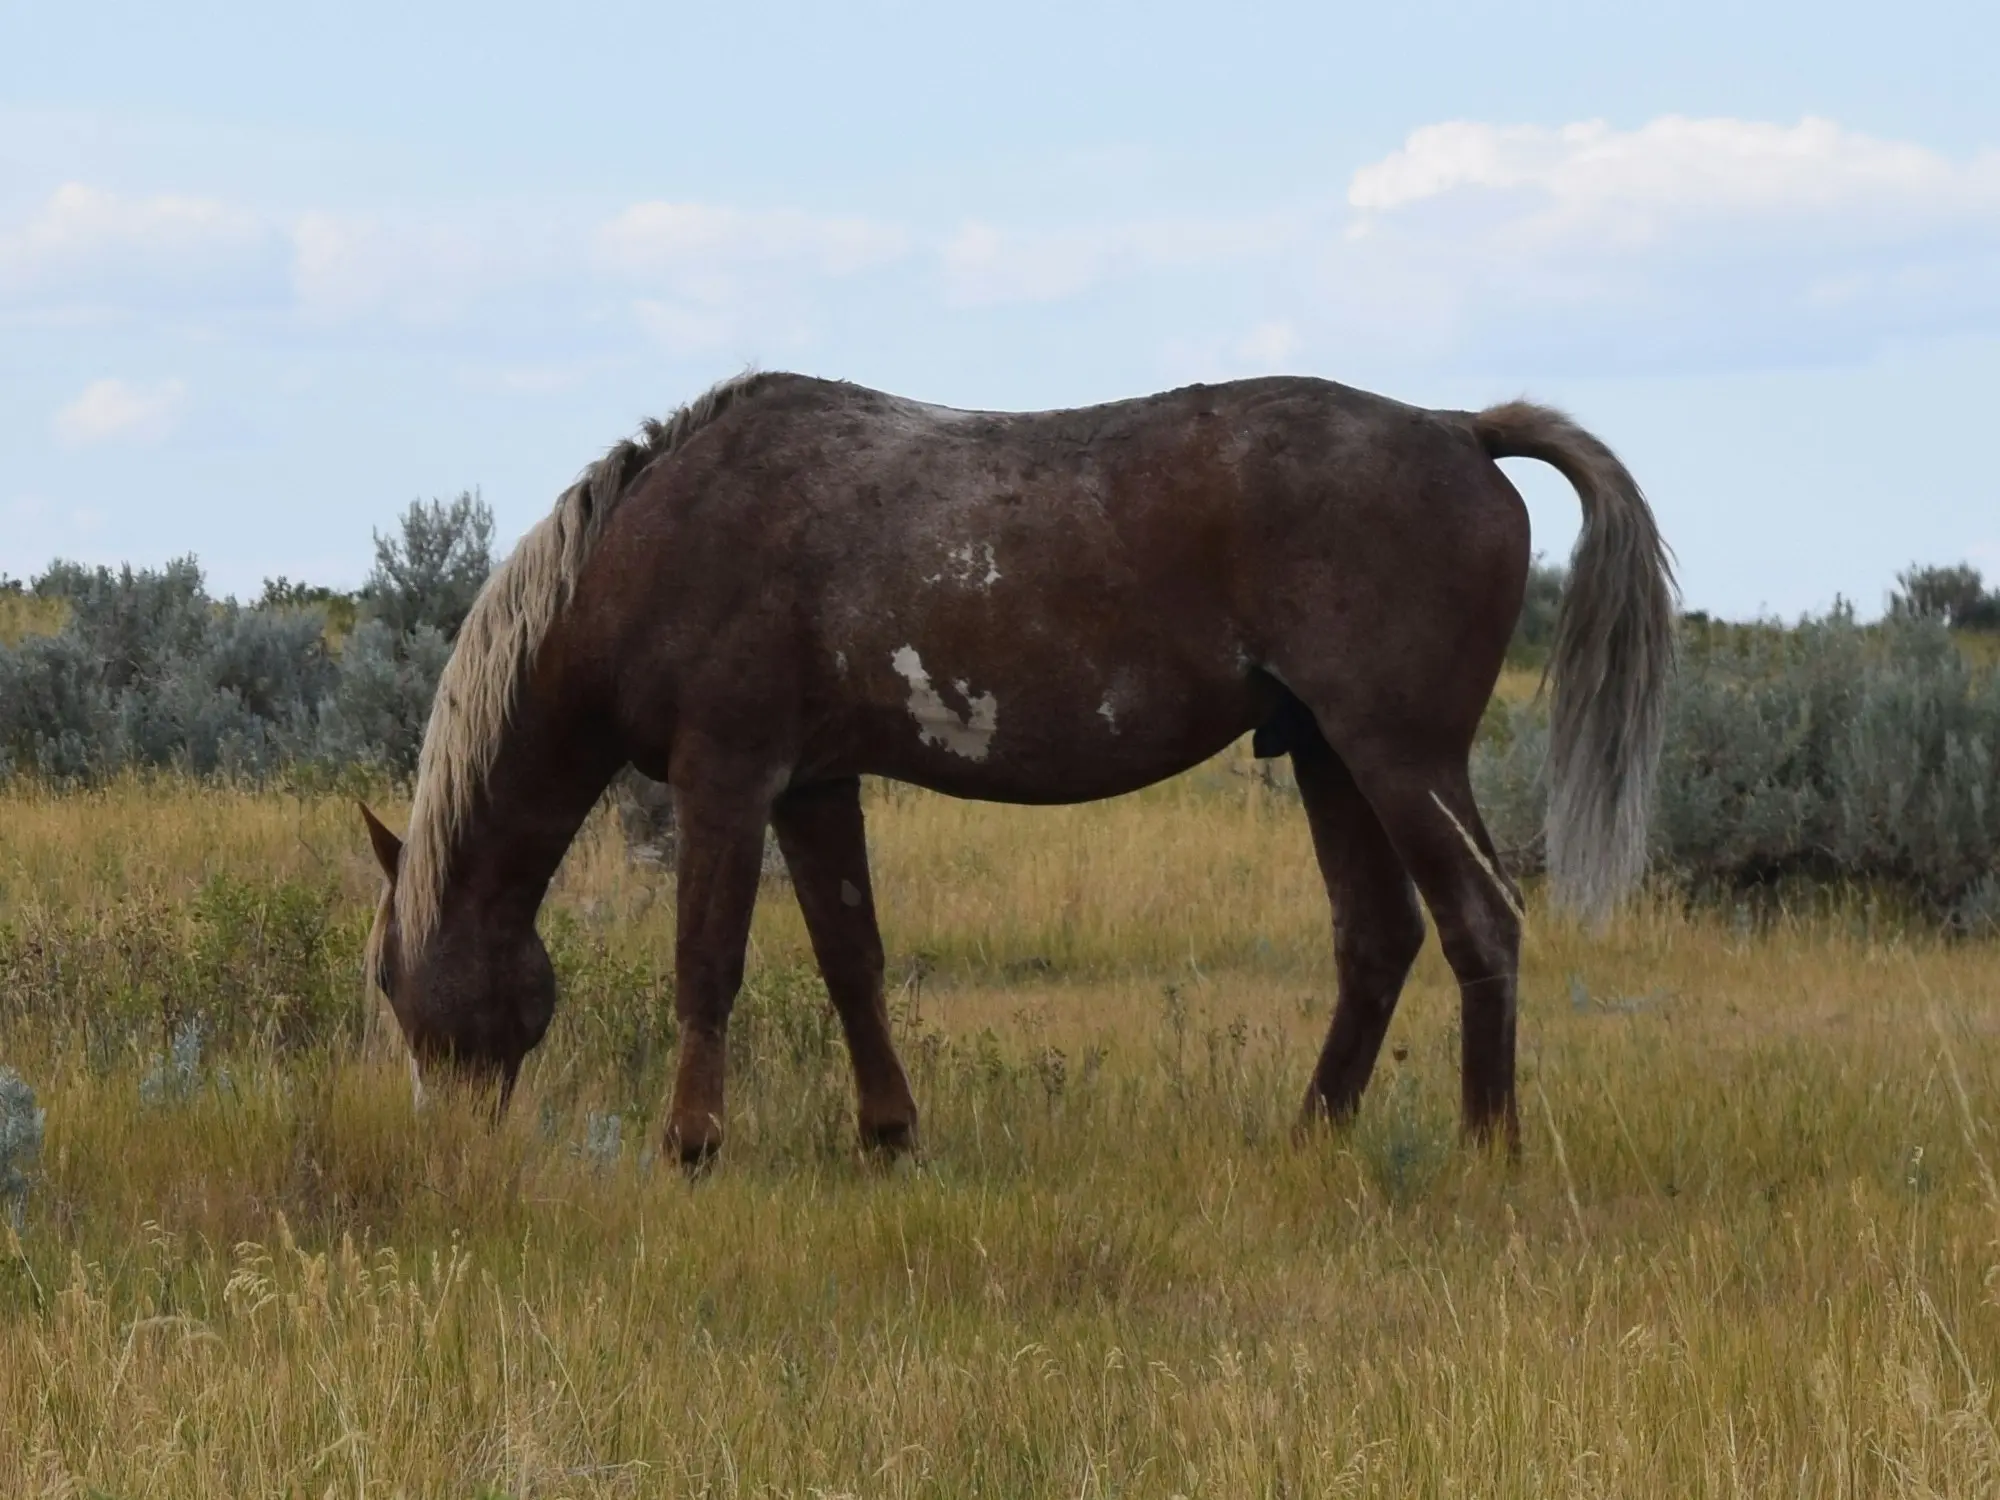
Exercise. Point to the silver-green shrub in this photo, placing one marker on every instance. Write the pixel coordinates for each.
(149, 672)
(1831, 751)
(20, 1142)
(376, 710)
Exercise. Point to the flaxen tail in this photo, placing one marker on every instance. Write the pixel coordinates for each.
(1613, 655)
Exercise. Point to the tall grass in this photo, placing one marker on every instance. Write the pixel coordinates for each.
(1752, 1247)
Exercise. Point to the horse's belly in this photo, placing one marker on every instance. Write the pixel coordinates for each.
(1051, 736)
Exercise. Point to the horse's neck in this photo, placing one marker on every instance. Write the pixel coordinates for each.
(548, 775)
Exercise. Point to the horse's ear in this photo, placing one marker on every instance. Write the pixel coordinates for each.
(388, 848)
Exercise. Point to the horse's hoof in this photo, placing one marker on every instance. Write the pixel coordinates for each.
(696, 1149)
(890, 1138)
(1320, 1117)
(1499, 1138)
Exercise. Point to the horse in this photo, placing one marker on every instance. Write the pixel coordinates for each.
(793, 583)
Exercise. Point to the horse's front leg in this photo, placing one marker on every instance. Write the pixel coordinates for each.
(820, 830)
(722, 824)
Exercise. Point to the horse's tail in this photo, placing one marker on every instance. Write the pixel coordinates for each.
(1612, 657)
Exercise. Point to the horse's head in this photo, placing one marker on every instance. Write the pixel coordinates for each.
(478, 991)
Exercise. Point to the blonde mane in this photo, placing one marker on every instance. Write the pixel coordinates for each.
(497, 644)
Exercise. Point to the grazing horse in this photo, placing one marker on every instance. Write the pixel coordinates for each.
(793, 583)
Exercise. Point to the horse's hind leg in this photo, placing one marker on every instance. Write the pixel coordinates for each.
(820, 830)
(1424, 804)
(720, 857)
(1377, 928)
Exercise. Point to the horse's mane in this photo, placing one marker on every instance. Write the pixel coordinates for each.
(497, 644)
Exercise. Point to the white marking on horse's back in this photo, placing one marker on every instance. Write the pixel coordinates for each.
(970, 735)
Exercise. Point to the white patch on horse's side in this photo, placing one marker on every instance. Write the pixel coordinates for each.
(840, 662)
(1107, 713)
(937, 722)
(971, 559)
(969, 565)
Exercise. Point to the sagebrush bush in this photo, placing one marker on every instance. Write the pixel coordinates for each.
(381, 700)
(1830, 751)
(1956, 595)
(148, 672)
(1541, 602)
(21, 1126)
(431, 571)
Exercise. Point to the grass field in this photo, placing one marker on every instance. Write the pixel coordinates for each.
(1752, 1246)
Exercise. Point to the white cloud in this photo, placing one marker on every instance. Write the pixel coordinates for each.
(719, 278)
(345, 267)
(122, 411)
(1671, 166)
(676, 239)
(1709, 243)
(83, 232)
(523, 379)
(1270, 343)
(683, 329)
(985, 264)
(1271, 346)
(336, 264)
(1684, 240)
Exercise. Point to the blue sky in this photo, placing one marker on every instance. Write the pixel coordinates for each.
(267, 274)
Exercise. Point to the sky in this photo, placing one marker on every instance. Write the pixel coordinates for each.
(269, 273)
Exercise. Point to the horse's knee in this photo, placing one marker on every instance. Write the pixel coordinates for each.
(1481, 938)
(1378, 948)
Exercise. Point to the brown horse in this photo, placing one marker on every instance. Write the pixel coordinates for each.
(794, 583)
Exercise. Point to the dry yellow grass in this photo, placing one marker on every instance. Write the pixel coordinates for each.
(24, 614)
(1517, 684)
(1753, 1246)
(1982, 647)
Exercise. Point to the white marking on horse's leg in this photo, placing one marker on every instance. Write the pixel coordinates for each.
(937, 722)
(418, 1098)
